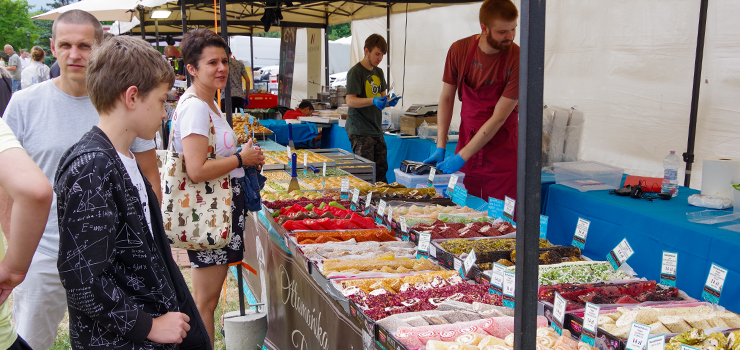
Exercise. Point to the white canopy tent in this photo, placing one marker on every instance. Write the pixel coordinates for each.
(628, 65)
(104, 10)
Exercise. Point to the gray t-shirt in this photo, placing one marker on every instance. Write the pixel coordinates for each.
(47, 122)
(14, 60)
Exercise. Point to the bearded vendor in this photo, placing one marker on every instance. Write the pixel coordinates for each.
(483, 71)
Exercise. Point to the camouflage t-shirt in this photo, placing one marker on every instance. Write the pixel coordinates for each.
(365, 83)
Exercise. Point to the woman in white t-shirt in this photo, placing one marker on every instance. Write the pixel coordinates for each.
(37, 71)
(205, 56)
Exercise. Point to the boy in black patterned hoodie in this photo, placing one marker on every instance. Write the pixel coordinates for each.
(124, 291)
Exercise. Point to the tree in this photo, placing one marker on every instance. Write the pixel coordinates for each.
(339, 31)
(44, 26)
(14, 23)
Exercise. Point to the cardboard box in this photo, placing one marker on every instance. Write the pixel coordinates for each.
(410, 123)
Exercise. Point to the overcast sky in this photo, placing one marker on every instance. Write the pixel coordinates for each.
(37, 3)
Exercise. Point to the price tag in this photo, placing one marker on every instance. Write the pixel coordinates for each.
(579, 239)
(509, 286)
(495, 208)
(404, 225)
(558, 313)
(590, 324)
(686, 347)
(543, 226)
(368, 200)
(457, 264)
(656, 343)
(430, 180)
(424, 240)
(715, 281)
(389, 218)
(432, 249)
(451, 185)
(509, 204)
(497, 279)
(469, 261)
(344, 189)
(668, 269)
(381, 211)
(460, 196)
(638, 337)
(619, 255)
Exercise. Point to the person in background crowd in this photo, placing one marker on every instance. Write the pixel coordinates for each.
(205, 56)
(47, 119)
(131, 105)
(25, 59)
(366, 98)
(6, 89)
(14, 67)
(54, 72)
(237, 71)
(47, 58)
(304, 110)
(31, 193)
(36, 72)
(483, 70)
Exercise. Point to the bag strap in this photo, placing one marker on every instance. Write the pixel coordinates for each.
(211, 130)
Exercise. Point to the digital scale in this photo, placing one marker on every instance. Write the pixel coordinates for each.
(421, 110)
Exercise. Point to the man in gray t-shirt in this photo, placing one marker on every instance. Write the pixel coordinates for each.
(14, 66)
(48, 118)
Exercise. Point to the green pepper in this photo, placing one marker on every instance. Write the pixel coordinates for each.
(337, 205)
(276, 213)
(322, 205)
(310, 207)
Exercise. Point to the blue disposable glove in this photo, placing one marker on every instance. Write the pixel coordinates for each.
(451, 165)
(380, 102)
(437, 157)
(393, 102)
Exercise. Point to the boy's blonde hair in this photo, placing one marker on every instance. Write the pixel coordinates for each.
(121, 62)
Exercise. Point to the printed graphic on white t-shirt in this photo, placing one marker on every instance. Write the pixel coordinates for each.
(133, 172)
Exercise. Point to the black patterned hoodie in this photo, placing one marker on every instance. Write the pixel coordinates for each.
(117, 274)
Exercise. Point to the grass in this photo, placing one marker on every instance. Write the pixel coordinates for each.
(232, 304)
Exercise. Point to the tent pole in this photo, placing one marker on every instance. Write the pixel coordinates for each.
(529, 167)
(143, 25)
(326, 48)
(251, 52)
(156, 32)
(388, 41)
(227, 91)
(184, 17)
(688, 157)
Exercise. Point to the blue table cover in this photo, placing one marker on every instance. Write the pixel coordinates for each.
(398, 149)
(650, 229)
(301, 132)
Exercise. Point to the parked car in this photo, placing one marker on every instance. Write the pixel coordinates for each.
(338, 79)
(267, 71)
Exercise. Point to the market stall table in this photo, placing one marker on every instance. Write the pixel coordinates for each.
(399, 149)
(302, 132)
(650, 228)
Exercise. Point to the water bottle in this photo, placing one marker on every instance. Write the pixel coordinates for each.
(670, 175)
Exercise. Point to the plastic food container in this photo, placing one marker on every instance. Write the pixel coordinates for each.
(411, 180)
(710, 217)
(588, 176)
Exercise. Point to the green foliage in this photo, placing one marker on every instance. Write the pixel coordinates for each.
(336, 31)
(339, 31)
(14, 22)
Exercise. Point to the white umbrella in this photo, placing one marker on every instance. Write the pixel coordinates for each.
(104, 10)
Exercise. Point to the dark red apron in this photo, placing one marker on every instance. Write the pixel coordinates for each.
(492, 171)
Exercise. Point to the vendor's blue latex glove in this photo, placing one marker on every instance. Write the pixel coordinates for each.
(451, 165)
(380, 102)
(393, 102)
(437, 157)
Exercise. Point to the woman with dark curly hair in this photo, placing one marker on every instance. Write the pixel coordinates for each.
(205, 57)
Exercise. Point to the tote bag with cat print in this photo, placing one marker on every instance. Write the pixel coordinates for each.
(197, 215)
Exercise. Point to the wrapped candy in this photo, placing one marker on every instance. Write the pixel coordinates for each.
(716, 339)
(691, 337)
